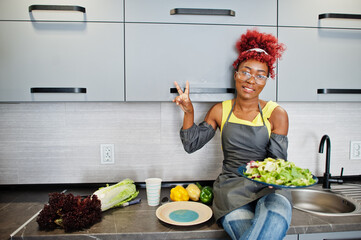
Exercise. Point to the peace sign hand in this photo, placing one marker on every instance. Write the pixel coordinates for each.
(183, 100)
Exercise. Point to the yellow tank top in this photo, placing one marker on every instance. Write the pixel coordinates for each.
(257, 121)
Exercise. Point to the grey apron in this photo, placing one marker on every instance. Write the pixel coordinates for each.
(241, 144)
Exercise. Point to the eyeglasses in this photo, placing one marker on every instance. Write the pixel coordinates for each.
(259, 79)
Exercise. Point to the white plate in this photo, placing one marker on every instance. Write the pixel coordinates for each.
(184, 213)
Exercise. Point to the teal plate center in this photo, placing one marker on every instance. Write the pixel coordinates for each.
(183, 215)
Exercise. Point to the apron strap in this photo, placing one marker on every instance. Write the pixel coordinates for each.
(230, 112)
(260, 110)
(259, 107)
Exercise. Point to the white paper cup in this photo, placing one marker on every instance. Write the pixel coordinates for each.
(153, 186)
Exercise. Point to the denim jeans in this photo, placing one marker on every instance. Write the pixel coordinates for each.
(269, 219)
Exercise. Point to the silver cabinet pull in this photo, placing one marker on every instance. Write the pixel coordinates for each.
(56, 8)
(338, 91)
(57, 90)
(202, 11)
(339, 15)
(207, 90)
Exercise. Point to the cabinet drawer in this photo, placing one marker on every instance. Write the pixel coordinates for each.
(201, 54)
(80, 61)
(333, 13)
(320, 65)
(62, 10)
(348, 235)
(197, 11)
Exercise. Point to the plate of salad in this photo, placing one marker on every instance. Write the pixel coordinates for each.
(278, 173)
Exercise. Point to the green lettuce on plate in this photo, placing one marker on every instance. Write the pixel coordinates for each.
(278, 172)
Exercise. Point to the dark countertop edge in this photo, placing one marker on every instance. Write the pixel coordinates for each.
(200, 234)
(192, 234)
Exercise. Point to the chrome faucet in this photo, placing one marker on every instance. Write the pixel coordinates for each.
(327, 175)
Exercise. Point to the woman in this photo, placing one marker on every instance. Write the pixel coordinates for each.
(251, 129)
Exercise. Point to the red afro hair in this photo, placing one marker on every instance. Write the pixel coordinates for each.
(254, 39)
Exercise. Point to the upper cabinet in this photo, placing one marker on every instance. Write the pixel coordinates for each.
(133, 50)
(61, 50)
(62, 10)
(167, 41)
(256, 12)
(322, 60)
(320, 13)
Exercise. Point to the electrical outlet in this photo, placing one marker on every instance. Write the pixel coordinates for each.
(107, 153)
(355, 150)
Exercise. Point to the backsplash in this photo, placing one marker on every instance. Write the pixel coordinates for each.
(60, 142)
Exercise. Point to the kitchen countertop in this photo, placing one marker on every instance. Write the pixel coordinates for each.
(19, 204)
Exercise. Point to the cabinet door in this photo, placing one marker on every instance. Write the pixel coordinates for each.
(320, 65)
(353, 235)
(291, 237)
(61, 55)
(53, 10)
(320, 13)
(256, 12)
(159, 54)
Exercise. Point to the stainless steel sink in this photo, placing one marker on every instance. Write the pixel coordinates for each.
(341, 200)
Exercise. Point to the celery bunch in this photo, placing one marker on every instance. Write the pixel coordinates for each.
(117, 194)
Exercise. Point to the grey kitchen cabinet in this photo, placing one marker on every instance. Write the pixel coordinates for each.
(61, 50)
(157, 55)
(62, 10)
(306, 13)
(202, 12)
(162, 46)
(318, 61)
(323, 53)
(291, 237)
(353, 235)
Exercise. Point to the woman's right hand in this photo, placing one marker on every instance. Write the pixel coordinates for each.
(183, 100)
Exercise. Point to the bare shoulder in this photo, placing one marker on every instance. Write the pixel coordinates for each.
(216, 108)
(214, 115)
(279, 112)
(279, 121)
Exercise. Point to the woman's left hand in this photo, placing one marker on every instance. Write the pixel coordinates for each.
(183, 100)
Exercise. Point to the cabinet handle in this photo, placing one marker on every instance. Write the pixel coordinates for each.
(202, 11)
(339, 15)
(207, 90)
(338, 91)
(57, 90)
(57, 8)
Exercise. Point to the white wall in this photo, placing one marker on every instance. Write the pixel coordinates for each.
(60, 142)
